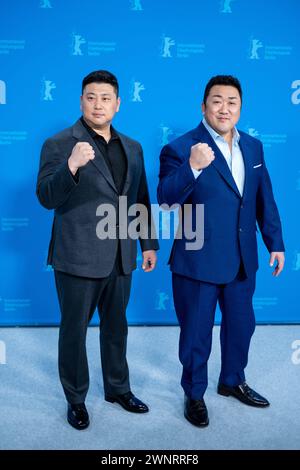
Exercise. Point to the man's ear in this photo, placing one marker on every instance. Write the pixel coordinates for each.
(203, 108)
(81, 103)
(118, 104)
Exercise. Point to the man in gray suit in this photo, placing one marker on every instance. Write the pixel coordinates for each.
(84, 170)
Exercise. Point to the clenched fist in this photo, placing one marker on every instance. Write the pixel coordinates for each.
(81, 154)
(201, 156)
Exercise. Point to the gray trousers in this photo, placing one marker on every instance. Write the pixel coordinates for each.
(78, 298)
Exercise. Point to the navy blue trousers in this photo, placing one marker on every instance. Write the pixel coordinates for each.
(195, 304)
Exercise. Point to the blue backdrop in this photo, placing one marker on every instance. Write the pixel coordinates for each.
(163, 52)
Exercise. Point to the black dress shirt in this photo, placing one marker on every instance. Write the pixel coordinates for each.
(116, 162)
(113, 154)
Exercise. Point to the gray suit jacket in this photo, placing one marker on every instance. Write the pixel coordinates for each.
(75, 247)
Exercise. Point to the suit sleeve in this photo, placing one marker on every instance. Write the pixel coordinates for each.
(148, 240)
(55, 181)
(176, 178)
(267, 214)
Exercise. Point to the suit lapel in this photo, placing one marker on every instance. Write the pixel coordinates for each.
(247, 157)
(82, 135)
(130, 163)
(202, 135)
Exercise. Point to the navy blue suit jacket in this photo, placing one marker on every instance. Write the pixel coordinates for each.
(229, 219)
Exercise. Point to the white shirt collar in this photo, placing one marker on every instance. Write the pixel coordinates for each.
(216, 136)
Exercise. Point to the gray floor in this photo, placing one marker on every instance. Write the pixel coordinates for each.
(33, 406)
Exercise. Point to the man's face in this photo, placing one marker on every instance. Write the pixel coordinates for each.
(223, 108)
(99, 104)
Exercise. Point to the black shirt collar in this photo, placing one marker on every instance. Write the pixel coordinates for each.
(94, 134)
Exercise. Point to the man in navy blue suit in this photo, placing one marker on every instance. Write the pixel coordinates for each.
(224, 170)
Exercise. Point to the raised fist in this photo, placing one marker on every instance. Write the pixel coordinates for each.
(81, 154)
(201, 156)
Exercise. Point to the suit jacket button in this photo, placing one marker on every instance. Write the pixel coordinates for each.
(240, 229)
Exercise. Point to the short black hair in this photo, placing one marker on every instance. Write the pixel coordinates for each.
(101, 76)
(228, 80)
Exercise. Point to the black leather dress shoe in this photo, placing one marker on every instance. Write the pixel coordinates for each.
(243, 393)
(78, 416)
(129, 402)
(195, 412)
